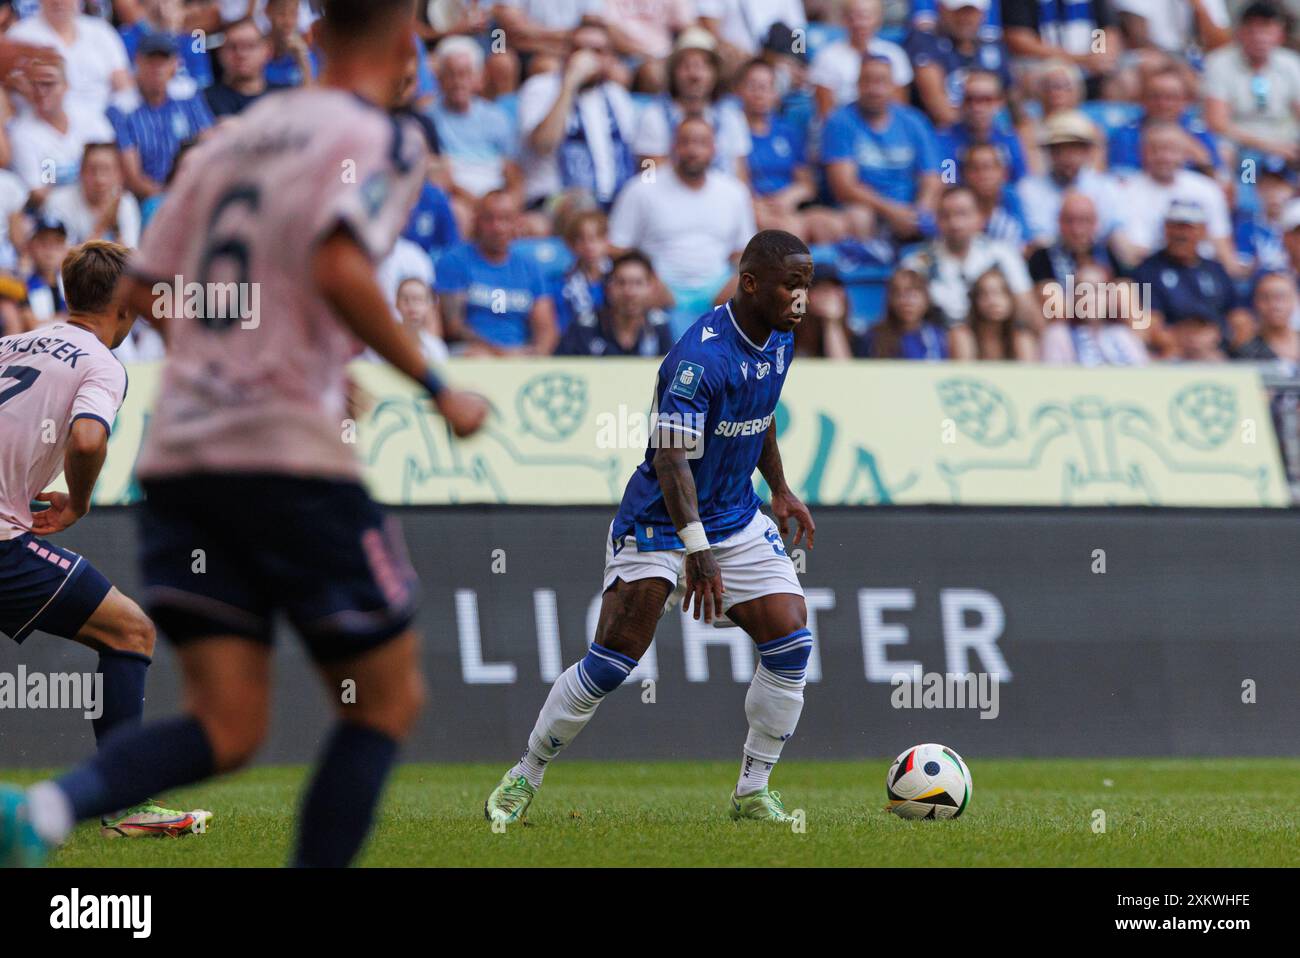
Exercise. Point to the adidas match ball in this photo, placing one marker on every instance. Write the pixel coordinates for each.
(928, 781)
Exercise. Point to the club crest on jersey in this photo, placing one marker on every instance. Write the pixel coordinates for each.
(686, 381)
(780, 361)
(762, 370)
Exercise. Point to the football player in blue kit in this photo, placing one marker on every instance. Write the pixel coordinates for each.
(689, 527)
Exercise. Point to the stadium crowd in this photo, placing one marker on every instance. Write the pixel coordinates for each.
(1068, 181)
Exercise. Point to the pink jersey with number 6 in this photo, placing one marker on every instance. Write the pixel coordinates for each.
(255, 380)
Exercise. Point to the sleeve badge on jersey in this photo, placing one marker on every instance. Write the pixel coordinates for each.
(374, 193)
(686, 381)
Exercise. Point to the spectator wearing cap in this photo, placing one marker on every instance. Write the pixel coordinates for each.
(942, 58)
(1165, 98)
(626, 323)
(194, 67)
(984, 170)
(576, 125)
(695, 89)
(835, 69)
(981, 123)
(494, 299)
(780, 178)
(1038, 30)
(98, 206)
(1258, 232)
(1145, 197)
(962, 254)
(477, 137)
(49, 139)
(882, 160)
(93, 53)
(293, 62)
(741, 26)
(1078, 245)
(691, 220)
(1070, 141)
(151, 135)
(1186, 287)
(243, 56)
(1273, 304)
(1252, 87)
(1175, 25)
(47, 248)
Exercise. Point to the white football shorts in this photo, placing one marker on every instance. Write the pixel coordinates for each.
(752, 561)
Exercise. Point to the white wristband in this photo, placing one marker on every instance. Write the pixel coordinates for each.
(693, 537)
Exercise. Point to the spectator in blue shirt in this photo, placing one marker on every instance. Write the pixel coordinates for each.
(477, 137)
(151, 134)
(432, 226)
(1258, 233)
(882, 161)
(779, 175)
(911, 327)
(626, 325)
(944, 57)
(1165, 98)
(194, 70)
(494, 300)
(293, 62)
(581, 290)
(984, 170)
(982, 123)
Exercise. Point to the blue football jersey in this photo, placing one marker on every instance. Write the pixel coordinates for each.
(718, 386)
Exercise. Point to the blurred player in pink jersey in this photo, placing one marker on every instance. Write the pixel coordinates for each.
(260, 269)
(60, 390)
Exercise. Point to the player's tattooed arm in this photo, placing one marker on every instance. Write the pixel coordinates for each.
(785, 504)
(703, 577)
(87, 449)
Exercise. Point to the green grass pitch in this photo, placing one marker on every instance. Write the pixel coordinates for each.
(1171, 812)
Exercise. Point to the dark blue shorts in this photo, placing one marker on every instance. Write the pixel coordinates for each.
(46, 589)
(221, 555)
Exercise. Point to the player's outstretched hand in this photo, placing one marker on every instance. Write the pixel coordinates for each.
(703, 585)
(57, 517)
(786, 506)
(465, 412)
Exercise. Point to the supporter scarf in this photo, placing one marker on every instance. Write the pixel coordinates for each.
(1067, 24)
(581, 166)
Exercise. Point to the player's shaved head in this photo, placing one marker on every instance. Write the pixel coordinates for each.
(770, 250)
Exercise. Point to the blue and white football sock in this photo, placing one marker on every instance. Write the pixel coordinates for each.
(123, 691)
(773, 705)
(569, 707)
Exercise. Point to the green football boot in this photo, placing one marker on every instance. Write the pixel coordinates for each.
(509, 801)
(151, 820)
(763, 805)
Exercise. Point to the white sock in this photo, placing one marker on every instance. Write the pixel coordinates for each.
(51, 812)
(772, 705)
(568, 709)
